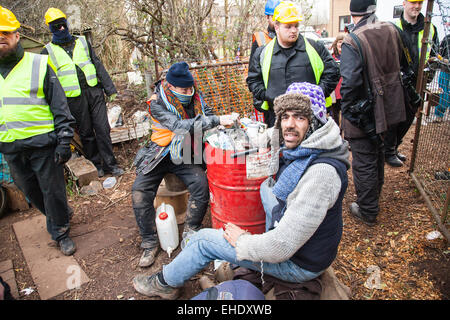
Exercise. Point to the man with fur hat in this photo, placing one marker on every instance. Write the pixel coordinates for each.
(304, 206)
(178, 110)
(85, 82)
(364, 129)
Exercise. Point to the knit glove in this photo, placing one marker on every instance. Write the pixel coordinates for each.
(62, 153)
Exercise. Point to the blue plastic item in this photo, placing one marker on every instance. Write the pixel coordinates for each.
(231, 290)
(270, 7)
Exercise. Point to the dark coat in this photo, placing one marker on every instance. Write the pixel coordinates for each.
(383, 54)
(56, 99)
(285, 70)
(148, 157)
(411, 31)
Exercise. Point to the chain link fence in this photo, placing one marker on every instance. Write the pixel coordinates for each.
(430, 161)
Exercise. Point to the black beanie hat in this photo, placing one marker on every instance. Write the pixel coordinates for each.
(179, 75)
(362, 7)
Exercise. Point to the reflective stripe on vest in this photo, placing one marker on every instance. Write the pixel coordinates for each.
(24, 112)
(261, 38)
(64, 66)
(314, 58)
(419, 39)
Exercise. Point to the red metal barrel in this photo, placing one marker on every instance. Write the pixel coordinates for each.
(233, 197)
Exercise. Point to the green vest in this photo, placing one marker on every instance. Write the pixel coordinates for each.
(314, 59)
(419, 39)
(24, 112)
(64, 66)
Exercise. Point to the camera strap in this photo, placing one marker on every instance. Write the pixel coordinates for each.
(400, 36)
(366, 80)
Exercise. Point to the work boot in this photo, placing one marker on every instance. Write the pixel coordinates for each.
(356, 212)
(393, 161)
(117, 172)
(148, 257)
(67, 246)
(401, 156)
(100, 173)
(151, 287)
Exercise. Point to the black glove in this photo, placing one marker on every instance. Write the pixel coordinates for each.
(62, 153)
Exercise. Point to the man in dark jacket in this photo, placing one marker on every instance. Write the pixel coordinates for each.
(288, 58)
(35, 129)
(261, 38)
(178, 111)
(382, 52)
(85, 82)
(412, 23)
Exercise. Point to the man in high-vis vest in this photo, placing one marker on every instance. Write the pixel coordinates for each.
(35, 129)
(178, 111)
(412, 24)
(288, 58)
(263, 37)
(85, 82)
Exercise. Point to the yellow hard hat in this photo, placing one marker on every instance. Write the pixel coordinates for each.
(53, 14)
(415, 0)
(8, 21)
(286, 12)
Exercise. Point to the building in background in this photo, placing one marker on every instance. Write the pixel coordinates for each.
(387, 10)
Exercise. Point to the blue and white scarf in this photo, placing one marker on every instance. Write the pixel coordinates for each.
(301, 158)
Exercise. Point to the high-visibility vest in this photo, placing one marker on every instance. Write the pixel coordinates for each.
(24, 112)
(262, 38)
(419, 39)
(314, 58)
(160, 134)
(64, 66)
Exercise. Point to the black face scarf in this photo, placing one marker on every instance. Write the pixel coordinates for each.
(60, 36)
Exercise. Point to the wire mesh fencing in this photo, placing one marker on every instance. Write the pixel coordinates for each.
(430, 163)
(432, 160)
(224, 87)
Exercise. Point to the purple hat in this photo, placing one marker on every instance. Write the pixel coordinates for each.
(315, 94)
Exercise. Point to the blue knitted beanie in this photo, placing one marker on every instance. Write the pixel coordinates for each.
(180, 76)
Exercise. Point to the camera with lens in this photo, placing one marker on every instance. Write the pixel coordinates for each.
(407, 77)
(362, 117)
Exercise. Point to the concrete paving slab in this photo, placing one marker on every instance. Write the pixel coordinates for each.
(52, 272)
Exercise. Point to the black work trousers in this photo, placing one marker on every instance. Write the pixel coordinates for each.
(145, 188)
(394, 136)
(90, 113)
(368, 174)
(37, 175)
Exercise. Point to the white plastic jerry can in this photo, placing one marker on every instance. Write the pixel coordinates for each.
(167, 228)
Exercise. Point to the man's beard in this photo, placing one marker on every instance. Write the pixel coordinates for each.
(8, 51)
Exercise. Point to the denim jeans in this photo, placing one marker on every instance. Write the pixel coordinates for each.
(208, 245)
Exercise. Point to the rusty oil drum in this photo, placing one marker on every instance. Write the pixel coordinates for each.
(233, 197)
